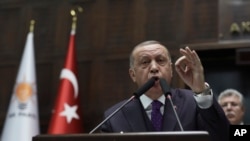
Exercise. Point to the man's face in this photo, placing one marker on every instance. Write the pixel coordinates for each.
(151, 61)
(233, 109)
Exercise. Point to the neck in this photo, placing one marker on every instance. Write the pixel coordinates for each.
(154, 96)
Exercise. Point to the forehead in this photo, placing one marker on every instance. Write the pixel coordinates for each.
(152, 48)
(230, 98)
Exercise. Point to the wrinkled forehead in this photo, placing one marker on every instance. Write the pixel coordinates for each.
(153, 48)
(230, 98)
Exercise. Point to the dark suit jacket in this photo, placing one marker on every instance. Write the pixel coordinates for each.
(132, 117)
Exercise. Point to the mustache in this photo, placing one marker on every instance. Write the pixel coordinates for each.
(230, 113)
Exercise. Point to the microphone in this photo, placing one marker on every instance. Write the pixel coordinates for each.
(166, 90)
(145, 87)
(150, 83)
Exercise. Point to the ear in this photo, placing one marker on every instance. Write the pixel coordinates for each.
(171, 68)
(243, 108)
(132, 74)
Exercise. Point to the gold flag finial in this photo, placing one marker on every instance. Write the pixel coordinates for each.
(32, 24)
(80, 9)
(74, 16)
(74, 19)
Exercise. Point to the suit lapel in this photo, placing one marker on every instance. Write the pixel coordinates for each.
(170, 121)
(139, 121)
(135, 116)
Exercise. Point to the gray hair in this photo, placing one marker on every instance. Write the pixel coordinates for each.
(231, 92)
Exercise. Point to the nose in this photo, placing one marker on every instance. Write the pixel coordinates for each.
(228, 106)
(154, 67)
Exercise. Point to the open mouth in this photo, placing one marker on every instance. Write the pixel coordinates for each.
(156, 78)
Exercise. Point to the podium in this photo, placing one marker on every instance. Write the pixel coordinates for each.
(133, 136)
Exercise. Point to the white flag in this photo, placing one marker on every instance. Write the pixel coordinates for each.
(22, 119)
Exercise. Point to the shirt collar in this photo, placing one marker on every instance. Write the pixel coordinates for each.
(146, 101)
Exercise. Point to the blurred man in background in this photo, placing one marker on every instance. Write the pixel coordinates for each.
(232, 102)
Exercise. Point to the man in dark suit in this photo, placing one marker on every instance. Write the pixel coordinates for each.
(197, 108)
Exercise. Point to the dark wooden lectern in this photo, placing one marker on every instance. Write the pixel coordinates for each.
(135, 136)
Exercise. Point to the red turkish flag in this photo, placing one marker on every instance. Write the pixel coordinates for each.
(66, 116)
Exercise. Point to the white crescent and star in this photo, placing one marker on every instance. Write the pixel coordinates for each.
(70, 111)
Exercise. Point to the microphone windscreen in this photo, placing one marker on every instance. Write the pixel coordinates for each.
(164, 86)
(145, 87)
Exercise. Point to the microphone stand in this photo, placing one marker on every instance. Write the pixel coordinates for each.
(177, 117)
(118, 109)
(166, 90)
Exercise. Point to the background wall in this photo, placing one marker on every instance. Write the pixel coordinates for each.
(107, 31)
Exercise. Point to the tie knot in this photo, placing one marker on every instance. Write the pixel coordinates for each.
(156, 105)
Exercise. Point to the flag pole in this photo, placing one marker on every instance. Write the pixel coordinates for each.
(32, 25)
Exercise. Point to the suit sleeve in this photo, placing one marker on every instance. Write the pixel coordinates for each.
(214, 121)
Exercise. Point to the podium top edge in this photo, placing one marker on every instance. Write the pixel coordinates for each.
(133, 133)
